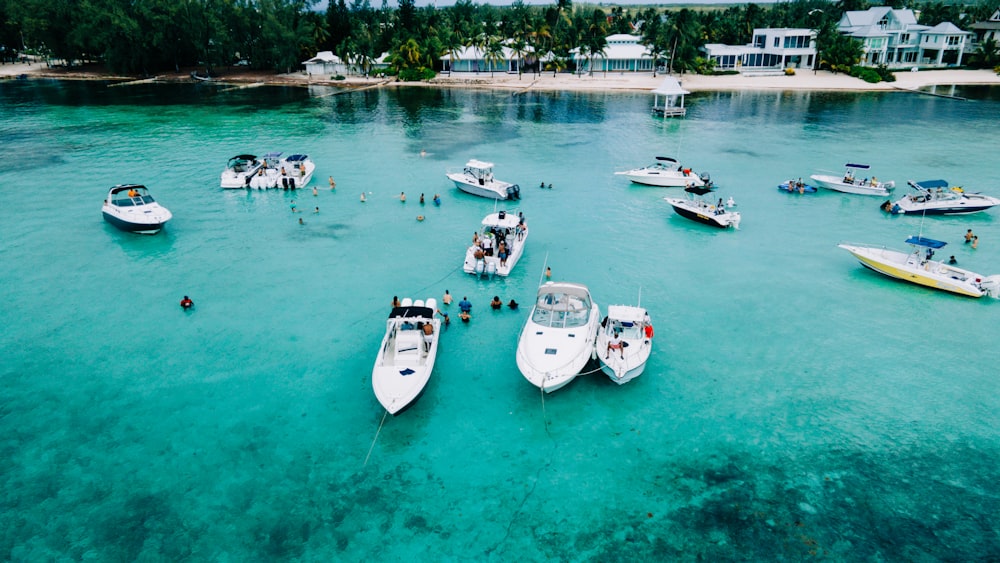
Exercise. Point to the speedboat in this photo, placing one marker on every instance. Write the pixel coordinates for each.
(296, 171)
(405, 360)
(934, 197)
(558, 338)
(477, 179)
(848, 183)
(267, 174)
(696, 208)
(239, 170)
(919, 267)
(130, 208)
(635, 337)
(486, 257)
(666, 172)
(798, 187)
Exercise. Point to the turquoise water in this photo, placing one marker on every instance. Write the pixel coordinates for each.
(795, 404)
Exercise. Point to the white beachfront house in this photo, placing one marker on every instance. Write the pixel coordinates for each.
(623, 53)
(771, 49)
(325, 62)
(895, 39)
(474, 59)
(989, 29)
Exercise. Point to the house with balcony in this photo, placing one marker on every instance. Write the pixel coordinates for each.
(987, 30)
(895, 39)
(474, 59)
(772, 49)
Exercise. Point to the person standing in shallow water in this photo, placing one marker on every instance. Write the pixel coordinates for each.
(447, 298)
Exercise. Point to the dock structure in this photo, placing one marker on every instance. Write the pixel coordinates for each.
(672, 104)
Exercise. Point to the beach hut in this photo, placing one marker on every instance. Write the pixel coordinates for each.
(672, 104)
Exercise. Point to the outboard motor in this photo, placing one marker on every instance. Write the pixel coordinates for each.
(491, 269)
(291, 183)
(707, 179)
(514, 192)
(991, 286)
(480, 267)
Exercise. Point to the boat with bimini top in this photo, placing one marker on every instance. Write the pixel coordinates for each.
(919, 267)
(558, 337)
(695, 207)
(498, 246)
(624, 342)
(239, 170)
(935, 197)
(848, 183)
(406, 358)
(666, 172)
(477, 179)
(130, 208)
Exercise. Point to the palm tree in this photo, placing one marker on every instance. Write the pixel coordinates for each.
(541, 39)
(452, 44)
(519, 47)
(597, 39)
(494, 52)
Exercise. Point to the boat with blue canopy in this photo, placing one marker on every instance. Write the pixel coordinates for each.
(919, 267)
(849, 182)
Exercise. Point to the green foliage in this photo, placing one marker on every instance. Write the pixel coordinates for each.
(338, 77)
(885, 74)
(416, 74)
(865, 73)
(987, 55)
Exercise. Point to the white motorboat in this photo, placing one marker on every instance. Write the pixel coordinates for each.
(666, 172)
(695, 207)
(919, 267)
(268, 173)
(849, 183)
(239, 170)
(298, 169)
(477, 179)
(626, 360)
(497, 246)
(405, 360)
(130, 208)
(935, 197)
(558, 338)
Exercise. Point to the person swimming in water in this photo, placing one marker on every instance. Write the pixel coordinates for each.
(186, 303)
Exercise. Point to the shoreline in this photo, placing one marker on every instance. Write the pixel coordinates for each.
(546, 82)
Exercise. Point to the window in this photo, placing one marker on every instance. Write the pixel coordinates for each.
(883, 23)
(777, 41)
(758, 41)
(904, 37)
(952, 40)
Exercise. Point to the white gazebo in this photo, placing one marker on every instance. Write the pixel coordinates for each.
(673, 99)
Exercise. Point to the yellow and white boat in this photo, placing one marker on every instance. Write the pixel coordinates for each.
(918, 267)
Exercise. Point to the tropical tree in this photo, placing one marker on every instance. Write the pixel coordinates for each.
(597, 38)
(652, 38)
(519, 47)
(494, 52)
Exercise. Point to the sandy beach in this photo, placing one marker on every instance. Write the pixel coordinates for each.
(801, 80)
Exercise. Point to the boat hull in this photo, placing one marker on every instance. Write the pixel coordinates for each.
(910, 268)
(805, 189)
(142, 224)
(551, 357)
(704, 215)
(662, 180)
(837, 184)
(482, 191)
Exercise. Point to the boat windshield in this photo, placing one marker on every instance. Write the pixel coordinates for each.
(561, 310)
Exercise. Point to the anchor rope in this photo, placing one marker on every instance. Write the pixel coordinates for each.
(376, 438)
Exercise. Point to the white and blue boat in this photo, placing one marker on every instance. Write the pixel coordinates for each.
(130, 208)
(936, 197)
(239, 171)
(799, 187)
(850, 184)
(634, 330)
(919, 267)
(406, 358)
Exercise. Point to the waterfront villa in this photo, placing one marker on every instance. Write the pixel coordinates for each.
(474, 59)
(325, 62)
(623, 53)
(772, 49)
(989, 29)
(895, 39)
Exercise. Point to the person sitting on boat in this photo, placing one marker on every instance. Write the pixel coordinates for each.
(132, 192)
(719, 208)
(615, 344)
(428, 336)
(647, 328)
(186, 303)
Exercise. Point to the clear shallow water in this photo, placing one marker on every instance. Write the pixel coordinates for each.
(795, 403)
